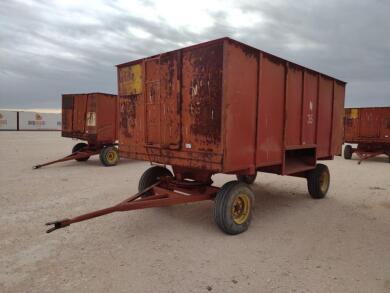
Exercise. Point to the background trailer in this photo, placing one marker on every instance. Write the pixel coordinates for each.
(90, 117)
(369, 128)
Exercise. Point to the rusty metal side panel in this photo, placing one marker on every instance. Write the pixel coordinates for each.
(79, 113)
(325, 108)
(67, 115)
(270, 121)
(293, 105)
(338, 118)
(131, 133)
(105, 107)
(90, 116)
(309, 110)
(350, 124)
(170, 98)
(162, 83)
(152, 96)
(189, 109)
(202, 99)
(369, 124)
(239, 106)
(385, 125)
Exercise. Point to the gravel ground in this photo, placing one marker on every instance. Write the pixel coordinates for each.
(294, 244)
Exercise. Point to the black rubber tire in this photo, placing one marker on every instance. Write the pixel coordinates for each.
(348, 152)
(248, 179)
(224, 203)
(150, 177)
(316, 191)
(109, 156)
(78, 147)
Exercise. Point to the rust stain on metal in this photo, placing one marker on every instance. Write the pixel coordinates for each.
(128, 116)
(205, 92)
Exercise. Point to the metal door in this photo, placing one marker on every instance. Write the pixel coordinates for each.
(385, 129)
(162, 84)
(369, 124)
(67, 113)
(79, 113)
(152, 101)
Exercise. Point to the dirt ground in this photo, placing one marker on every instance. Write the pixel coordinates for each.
(294, 244)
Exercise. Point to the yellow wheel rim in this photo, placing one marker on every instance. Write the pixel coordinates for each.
(324, 181)
(241, 208)
(112, 156)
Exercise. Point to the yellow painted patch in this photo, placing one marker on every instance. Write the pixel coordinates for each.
(354, 113)
(131, 80)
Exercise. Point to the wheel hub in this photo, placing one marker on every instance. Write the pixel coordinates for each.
(111, 156)
(240, 208)
(324, 181)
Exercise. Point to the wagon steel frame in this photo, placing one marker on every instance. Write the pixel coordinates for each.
(370, 150)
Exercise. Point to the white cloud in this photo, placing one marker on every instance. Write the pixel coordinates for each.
(139, 32)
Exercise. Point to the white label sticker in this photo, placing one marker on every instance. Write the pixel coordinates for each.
(91, 119)
(188, 146)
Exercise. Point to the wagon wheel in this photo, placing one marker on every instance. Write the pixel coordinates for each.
(248, 179)
(150, 177)
(109, 156)
(348, 152)
(318, 181)
(233, 207)
(78, 147)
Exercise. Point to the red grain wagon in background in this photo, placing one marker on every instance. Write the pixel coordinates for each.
(223, 107)
(90, 117)
(369, 128)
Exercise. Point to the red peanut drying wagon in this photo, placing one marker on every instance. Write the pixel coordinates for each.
(223, 107)
(90, 117)
(369, 128)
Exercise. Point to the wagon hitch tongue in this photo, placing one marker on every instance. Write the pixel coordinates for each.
(164, 194)
(123, 206)
(73, 156)
(57, 225)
